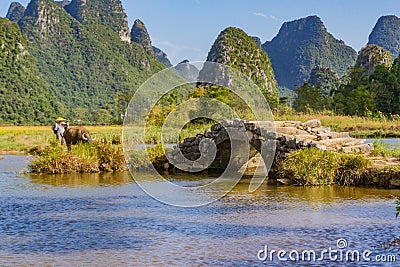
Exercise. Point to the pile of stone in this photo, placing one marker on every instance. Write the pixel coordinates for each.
(295, 134)
(213, 146)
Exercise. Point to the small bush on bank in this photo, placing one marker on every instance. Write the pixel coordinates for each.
(316, 167)
(99, 156)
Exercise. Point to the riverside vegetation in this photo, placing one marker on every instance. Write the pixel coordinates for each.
(38, 140)
(64, 47)
(302, 167)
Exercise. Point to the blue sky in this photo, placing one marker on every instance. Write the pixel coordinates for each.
(186, 29)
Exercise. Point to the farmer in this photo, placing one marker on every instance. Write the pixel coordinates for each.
(59, 130)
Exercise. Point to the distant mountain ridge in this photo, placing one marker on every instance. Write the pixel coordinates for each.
(15, 12)
(83, 52)
(386, 34)
(77, 58)
(303, 44)
(233, 47)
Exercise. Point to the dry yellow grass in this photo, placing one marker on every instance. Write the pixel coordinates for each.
(357, 126)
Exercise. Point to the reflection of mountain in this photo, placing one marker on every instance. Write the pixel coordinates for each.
(83, 179)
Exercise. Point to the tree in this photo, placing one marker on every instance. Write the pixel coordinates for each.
(311, 96)
(354, 97)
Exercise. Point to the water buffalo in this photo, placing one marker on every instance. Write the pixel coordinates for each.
(73, 135)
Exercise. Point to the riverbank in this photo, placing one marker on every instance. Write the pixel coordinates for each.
(20, 139)
(303, 165)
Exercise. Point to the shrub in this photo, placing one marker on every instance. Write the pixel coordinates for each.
(100, 156)
(315, 167)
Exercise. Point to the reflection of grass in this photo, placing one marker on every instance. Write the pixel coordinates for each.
(398, 208)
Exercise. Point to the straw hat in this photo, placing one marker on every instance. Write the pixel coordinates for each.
(59, 119)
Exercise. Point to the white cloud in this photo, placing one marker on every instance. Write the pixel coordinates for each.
(259, 14)
(273, 17)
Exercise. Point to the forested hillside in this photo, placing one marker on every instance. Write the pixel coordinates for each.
(302, 44)
(25, 98)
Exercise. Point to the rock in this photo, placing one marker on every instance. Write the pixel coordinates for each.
(386, 34)
(234, 48)
(311, 124)
(203, 147)
(395, 182)
(331, 135)
(306, 137)
(287, 123)
(285, 181)
(190, 139)
(166, 166)
(269, 134)
(356, 142)
(216, 127)
(336, 141)
(15, 12)
(250, 126)
(238, 123)
(291, 144)
(363, 148)
(305, 42)
(287, 130)
(162, 56)
(321, 130)
(208, 134)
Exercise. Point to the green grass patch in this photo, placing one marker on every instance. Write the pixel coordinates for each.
(140, 159)
(316, 167)
(384, 150)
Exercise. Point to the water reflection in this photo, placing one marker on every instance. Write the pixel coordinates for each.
(83, 179)
(106, 220)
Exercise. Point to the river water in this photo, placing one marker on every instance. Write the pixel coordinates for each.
(106, 220)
